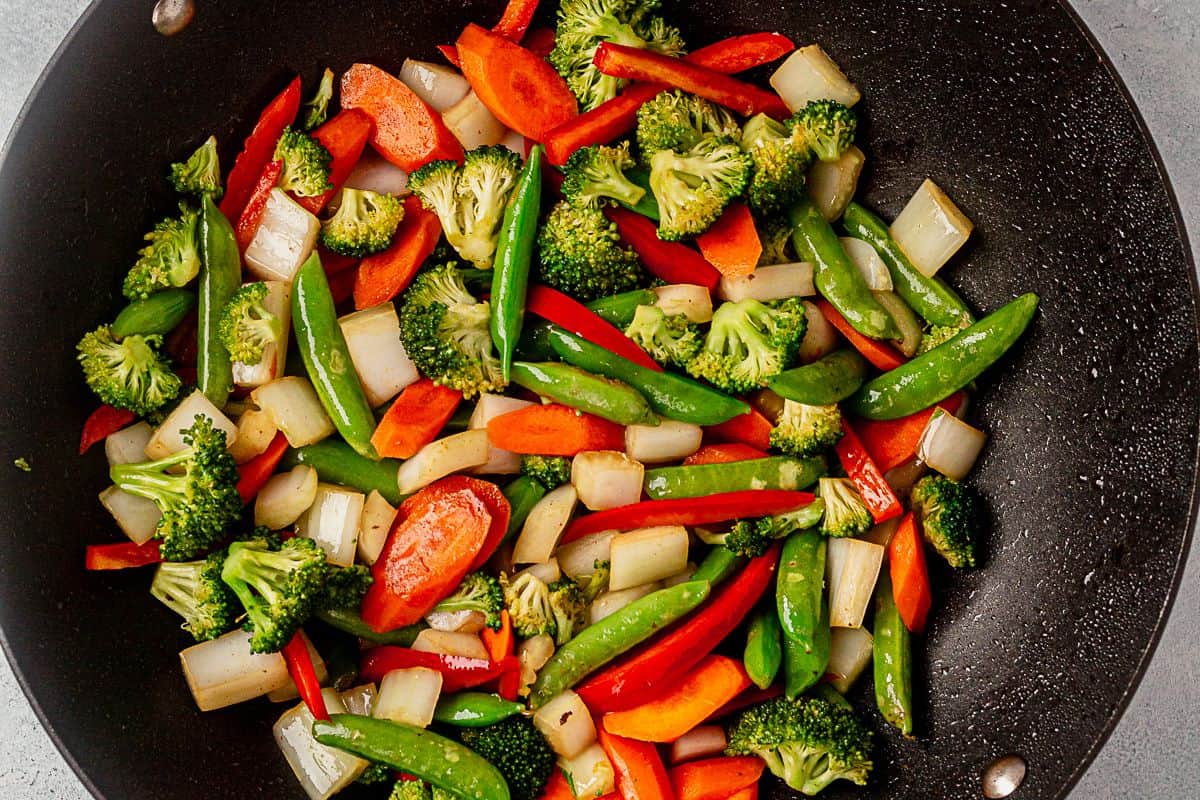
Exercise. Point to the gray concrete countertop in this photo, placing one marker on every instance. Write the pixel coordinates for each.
(1156, 47)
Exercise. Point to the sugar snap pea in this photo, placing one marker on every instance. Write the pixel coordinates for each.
(698, 480)
(336, 462)
(523, 494)
(220, 277)
(474, 709)
(157, 314)
(514, 253)
(577, 388)
(824, 382)
(892, 657)
(763, 653)
(803, 610)
(349, 621)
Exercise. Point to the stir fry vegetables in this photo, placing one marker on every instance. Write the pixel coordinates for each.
(582, 444)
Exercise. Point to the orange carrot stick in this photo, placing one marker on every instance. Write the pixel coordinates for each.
(732, 244)
(554, 430)
(881, 354)
(415, 419)
(715, 778)
(751, 428)
(910, 576)
(723, 454)
(891, 442)
(639, 769)
(709, 685)
(499, 643)
(384, 275)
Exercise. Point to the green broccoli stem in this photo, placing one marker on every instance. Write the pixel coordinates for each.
(151, 479)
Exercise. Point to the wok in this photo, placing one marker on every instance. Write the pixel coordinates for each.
(1089, 474)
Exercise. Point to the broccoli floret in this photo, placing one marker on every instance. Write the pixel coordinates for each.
(781, 157)
(364, 224)
(247, 327)
(749, 343)
(828, 127)
(194, 591)
(775, 234)
(550, 471)
(278, 586)
(949, 514)
(344, 587)
(305, 164)
(480, 592)
(528, 602)
(845, 512)
(415, 789)
(172, 257)
(693, 188)
(130, 373)
(519, 750)
(805, 430)
(200, 173)
(595, 173)
(678, 121)
(570, 603)
(584, 24)
(580, 253)
(445, 332)
(469, 200)
(667, 338)
(195, 489)
(753, 537)
(376, 774)
(938, 335)
(808, 742)
(316, 110)
(597, 583)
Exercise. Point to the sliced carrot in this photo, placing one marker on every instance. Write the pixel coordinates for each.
(749, 793)
(639, 768)
(450, 53)
(751, 697)
(709, 685)
(499, 643)
(732, 244)
(384, 275)
(498, 506)
(255, 473)
(723, 454)
(415, 419)
(910, 576)
(554, 430)
(715, 778)
(881, 354)
(891, 442)
(751, 428)
(557, 787)
(344, 137)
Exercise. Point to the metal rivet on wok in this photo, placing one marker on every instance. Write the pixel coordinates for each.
(1003, 776)
(172, 16)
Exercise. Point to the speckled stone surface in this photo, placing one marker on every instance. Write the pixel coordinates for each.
(1152, 751)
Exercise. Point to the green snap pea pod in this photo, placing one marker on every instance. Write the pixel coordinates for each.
(220, 277)
(514, 253)
(719, 564)
(648, 205)
(600, 643)
(764, 648)
(580, 389)
(836, 278)
(327, 359)
(673, 396)
(442, 762)
(824, 382)
(698, 480)
(348, 621)
(803, 610)
(477, 281)
(157, 314)
(523, 494)
(936, 302)
(336, 462)
(474, 709)
(939, 373)
(892, 657)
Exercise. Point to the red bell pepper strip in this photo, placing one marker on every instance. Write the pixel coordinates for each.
(122, 555)
(344, 137)
(639, 769)
(539, 41)
(181, 343)
(732, 244)
(567, 312)
(671, 261)
(751, 428)
(881, 354)
(304, 675)
(910, 575)
(259, 149)
(876, 493)
(252, 214)
(498, 506)
(641, 676)
(717, 778)
(102, 423)
(341, 286)
(458, 672)
(515, 19)
(892, 442)
(621, 61)
(450, 53)
(255, 473)
(723, 454)
(688, 511)
(415, 419)
(335, 263)
(740, 53)
(384, 275)
(499, 643)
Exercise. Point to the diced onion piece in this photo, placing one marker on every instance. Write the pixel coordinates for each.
(373, 527)
(950, 445)
(490, 406)
(223, 671)
(294, 407)
(774, 282)
(882, 533)
(323, 771)
(128, 445)
(590, 774)
(332, 522)
(285, 497)
(278, 301)
(285, 239)
(701, 742)
(255, 430)
(667, 441)
(870, 265)
(546, 572)
(931, 228)
(168, 438)
(689, 299)
(360, 699)
(809, 74)
(439, 86)
(566, 723)
(647, 555)
(408, 696)
(472, 124)
(606, 479)
(902, 478)
(136, 516)
(680, 577)
(612, 602)
(383, 366)
(851, 569)
(769, 404)
(820, 338)
(290, 692)
(832, 184)
(515, 142)
(849, 654)
(375, 173)
(544, 525)
(499, 462)
(533, 654)
(450, 643)
(456, 621)
(578, 558)
(441, 458)
(911, 330)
